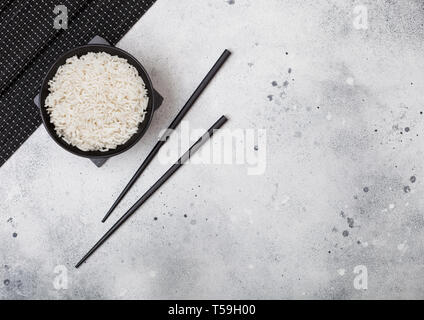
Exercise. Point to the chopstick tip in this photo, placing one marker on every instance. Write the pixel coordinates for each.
(108, 213)
(79, 263)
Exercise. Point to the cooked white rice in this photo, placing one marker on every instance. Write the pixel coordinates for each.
(96, 101)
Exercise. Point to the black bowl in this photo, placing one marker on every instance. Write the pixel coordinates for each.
(143, 126)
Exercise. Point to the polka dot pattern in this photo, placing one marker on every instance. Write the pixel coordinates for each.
(29, 44)
(34, 24)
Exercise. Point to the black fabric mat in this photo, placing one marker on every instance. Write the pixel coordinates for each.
(29, 44)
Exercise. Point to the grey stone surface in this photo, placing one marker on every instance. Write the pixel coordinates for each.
(342, 187)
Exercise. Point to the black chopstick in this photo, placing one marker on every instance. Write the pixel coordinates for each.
(218, 124)
(218, 64)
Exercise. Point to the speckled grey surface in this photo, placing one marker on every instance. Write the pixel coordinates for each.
(342, 188)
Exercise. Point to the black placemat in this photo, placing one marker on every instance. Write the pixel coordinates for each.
(29, 44)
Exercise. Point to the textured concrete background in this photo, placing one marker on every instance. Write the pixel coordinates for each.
(343, 185)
